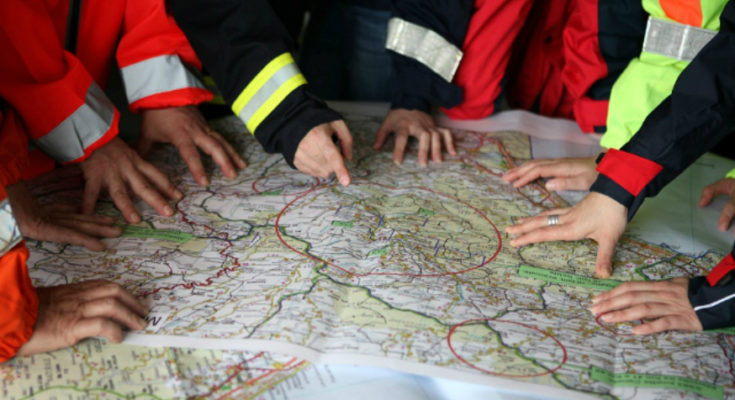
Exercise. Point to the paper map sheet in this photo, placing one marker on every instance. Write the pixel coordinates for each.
(407, 268)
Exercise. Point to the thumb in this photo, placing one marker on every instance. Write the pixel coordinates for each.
(605, 254)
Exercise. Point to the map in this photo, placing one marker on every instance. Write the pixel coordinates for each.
(407, 268)
(95, 370)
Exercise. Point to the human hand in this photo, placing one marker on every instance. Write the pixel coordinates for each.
(596, 217)
(60, 223)
(70, 313)
(664, 302)
(405, 123)
(115, 166)
(187, 130)
(317, 154)
(724, 186)
(566, 173)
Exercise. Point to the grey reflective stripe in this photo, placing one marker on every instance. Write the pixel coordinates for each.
(270, 87)
(675, 40)
(157, 75)
(85, 126)
(424, 46)
(9, 232)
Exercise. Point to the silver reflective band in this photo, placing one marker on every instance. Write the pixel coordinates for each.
(157, 75)
(424, 46)
(9, 232)
(268, 89)
(675, 40)
(85, 126)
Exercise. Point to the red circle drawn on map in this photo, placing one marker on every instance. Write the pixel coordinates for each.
(262, 178)
(473, 366)
(351, 273)
(611, 329)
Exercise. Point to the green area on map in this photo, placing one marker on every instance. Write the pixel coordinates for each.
(726, 331)
(378, 252)
(657, 381)
(162, 234)
(426, 212)
(342, 224)
(271, 193)
(565, 278)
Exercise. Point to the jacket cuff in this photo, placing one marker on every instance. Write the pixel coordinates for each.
(610, 188)
(174, 98)
(283, 130)
(714, 305)
(630, 171)
(19, 302)
(410, 102)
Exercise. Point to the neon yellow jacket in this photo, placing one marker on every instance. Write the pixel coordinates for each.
(649, 78)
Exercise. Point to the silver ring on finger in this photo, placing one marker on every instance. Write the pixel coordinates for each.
(552, 220)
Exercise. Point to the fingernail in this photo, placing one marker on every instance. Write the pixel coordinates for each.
(606, 317)
(168, 211)
(178, 195)
(142, 322)
(344, 181)
(134, 218)
(552, 185)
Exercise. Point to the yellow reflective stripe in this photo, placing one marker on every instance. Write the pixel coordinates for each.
(268, 89)
(273, 101)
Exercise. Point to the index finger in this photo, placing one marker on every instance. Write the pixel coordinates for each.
(111, 289)
(626, 287)
(218, 153)
(335, 162)
(344, 136)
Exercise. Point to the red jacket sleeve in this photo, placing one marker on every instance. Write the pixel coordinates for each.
(18, 299)
(155, 59)
(62, 108)
(13, 148)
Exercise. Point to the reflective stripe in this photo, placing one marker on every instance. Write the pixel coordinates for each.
(675, 40)
(714, 303)
(424, 46)
(157, 75)
(85, 126)
(267, 90)
(9, 232)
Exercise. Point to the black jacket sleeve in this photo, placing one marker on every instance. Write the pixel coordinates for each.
(416, 86)
(236, 40)
(697, 115)
(694, 118)
(713, 297)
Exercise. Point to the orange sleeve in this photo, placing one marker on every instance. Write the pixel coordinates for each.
(63, 110)
(13, 148)
(156, 59)
(18, 298)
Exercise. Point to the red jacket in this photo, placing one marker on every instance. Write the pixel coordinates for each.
(562, 63)
(58, 94)
(18, 298)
